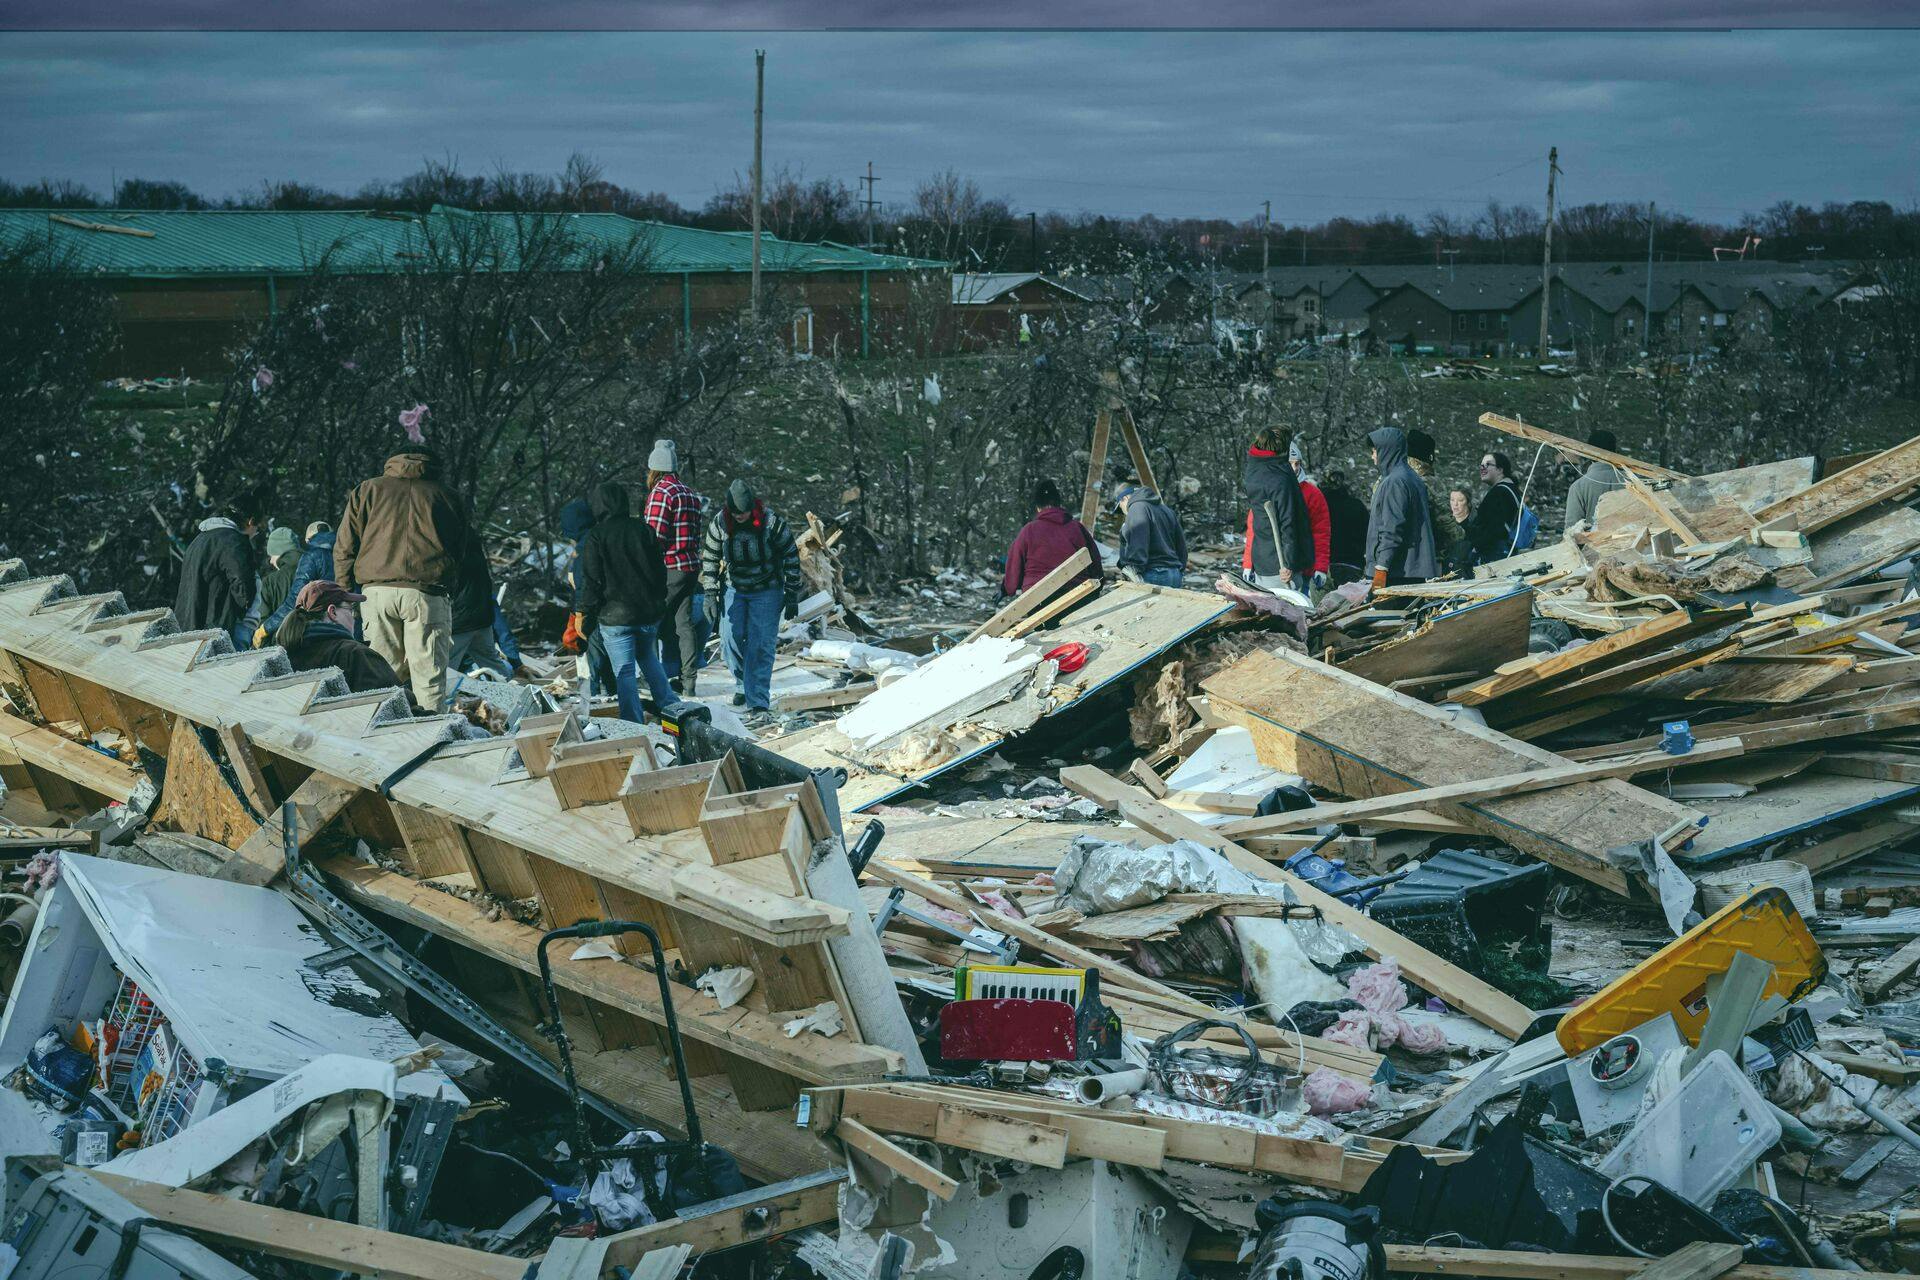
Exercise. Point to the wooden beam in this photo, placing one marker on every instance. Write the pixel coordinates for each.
(246, 767)
(1884, 476)
(748, 1218)
(1033, 597)
(1515, 1264)
(896, 1158)
(1579, 448)
(1137, 450)
(86, 768)
(1096, 465)
(1486, 789)
(1663, 510)
(1493, 1007)
(1701, 1260)
(1052, 610)
(262, 856)
(1839, 850)
(820, 699)
(314, 1241)
(1895, 968)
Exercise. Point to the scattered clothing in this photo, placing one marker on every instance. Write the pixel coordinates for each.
(216, 578)
(1151, 539)
(1043, 544)
(402, 528)
(1583, 498)
(1280, 533)
(1399, 527)
(413, 630)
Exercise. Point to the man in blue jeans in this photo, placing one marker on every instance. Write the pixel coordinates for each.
(748, 551)
(1153, 547)
(623, 595)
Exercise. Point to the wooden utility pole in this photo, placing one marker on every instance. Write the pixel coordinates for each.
(870, 202)
(759, 108)
(1647, 319)
(1266, 226)
(1546, 260)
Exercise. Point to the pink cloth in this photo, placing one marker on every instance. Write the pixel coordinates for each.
(414, 421)
(1377, 1023)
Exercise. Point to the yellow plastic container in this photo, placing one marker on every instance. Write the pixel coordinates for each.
(1673, 980)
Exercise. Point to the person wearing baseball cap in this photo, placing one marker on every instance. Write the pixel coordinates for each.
(319, 632)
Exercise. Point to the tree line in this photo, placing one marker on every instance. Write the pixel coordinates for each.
(951, 216)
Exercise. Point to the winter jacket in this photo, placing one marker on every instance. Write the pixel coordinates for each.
(1151, 537)
(473, 590)
(316, 565)
(401, 529)
(1347, 521)
(1399, 526)
(1273, 496)
(623, 580)
(576, 518)
(1583, 499)
(1043, 544)
(328, 644)
(1490, 530)
(216, 579)
(752, 553)
(1321, 522)
(1450, 546)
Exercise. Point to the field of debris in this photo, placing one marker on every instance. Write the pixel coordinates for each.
(1561, 922)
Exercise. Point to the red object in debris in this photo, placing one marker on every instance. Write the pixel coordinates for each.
(1071, 656)
(1007, 1031)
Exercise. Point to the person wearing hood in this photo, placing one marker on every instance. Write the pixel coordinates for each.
(1280, 543)
(315, 563)
(1153, 546)
(750, 549)
(1599, 479)
(1045, 542)
(217, 580)
(576, 518)
(673, 513)
(1346, 528)
(1450, 546)
(318, 631)
(623, 596)
(1399, 526)
(399, 545)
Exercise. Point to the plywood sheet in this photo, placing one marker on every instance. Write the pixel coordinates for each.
(1475, 637)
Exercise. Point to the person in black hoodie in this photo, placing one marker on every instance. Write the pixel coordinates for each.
(1348, 516)
(217, 578)
(1282, 532)
(318, 632)
(623, 596)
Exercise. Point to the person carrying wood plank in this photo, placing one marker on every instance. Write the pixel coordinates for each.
(1399, 527)
(750, 548)
(1599, 479)
(1280, 541)
(217, 575)
(1153, 546)
(1045, 542)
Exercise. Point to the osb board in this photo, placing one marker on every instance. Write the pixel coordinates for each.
(1358, 739)
(1012, 843)
(1474, 638)
(1786, 808)
(1749, 488)
(1864, 542)
(1127, 625)
(196, 797)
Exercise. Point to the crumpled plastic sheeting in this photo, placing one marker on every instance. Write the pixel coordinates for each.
(1377, 1023)
(1799, 1089)
(823, 1017)
(727, 986)
(614, 1195)
(1283, 1124)
(1097, 876)
(1327, 1093)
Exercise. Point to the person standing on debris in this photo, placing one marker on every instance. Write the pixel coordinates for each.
(1153, 546)
(1399, 526)
(623, 596)
(315, 563)
(477, 624)
(1449, 539)
(673, 513)
(1347, 525)
(1279, 530)
(1319, 517)
(399, 544)
(318, 631)
(576, 520)
(1495, 527)
(217, 576)
(283, 561)
(750, 549)
(1046, 542)
(1600, 479)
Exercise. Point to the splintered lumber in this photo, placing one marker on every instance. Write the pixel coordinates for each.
(1096, 464)
(1881, 477)
(263, 855)
(821, 699)
(1357, 739)
(1453, 984)
(1579, 448)
(1484, 789)
(91, 770)
(896, 1158)
(1053, 609)
(1516, 1264)
(1617, 649)
(1477, 636)
(305, 1238)
(1752, 678)
(752, 1216)
(1895, 968)
(1033, 597)
(1765, 735)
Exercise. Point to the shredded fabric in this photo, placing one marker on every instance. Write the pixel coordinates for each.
(1327, 1093)
(1377, 1022)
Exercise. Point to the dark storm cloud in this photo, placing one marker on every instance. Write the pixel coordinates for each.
(1175, 123)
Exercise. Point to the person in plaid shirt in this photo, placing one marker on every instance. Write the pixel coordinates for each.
(673, 511)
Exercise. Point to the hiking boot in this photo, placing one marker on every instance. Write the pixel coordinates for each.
(739, 699)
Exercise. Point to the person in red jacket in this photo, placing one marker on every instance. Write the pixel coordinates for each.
(1046, 541)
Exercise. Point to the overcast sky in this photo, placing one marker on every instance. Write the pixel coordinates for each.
(1170, 122)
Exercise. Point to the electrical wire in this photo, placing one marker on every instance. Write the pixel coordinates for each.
(1606, 1214)
(1777, 1212)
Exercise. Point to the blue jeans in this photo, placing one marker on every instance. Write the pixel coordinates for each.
(729, 643)
(753, 619)
(1162, 577)
(635, 651)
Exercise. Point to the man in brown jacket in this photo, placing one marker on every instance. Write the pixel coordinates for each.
(400, 543)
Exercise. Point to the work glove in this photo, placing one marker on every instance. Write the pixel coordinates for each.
(1379, 577)
(574, 638)
(715, 601)
(260, 637)
(788, 607)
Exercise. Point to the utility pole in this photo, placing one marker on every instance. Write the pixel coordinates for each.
(1266, 225)
(1546, 260)
(870, 202)
(1303, 246)
(759, 108)
(1453, 256)
(1033, 240)
(1648, 317)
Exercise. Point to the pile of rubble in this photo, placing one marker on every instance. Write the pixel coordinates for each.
(1553, 922)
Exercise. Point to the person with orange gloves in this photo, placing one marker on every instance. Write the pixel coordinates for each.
(1399, 527)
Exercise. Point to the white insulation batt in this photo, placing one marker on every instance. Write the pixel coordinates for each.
(960, 681)
(224, 962)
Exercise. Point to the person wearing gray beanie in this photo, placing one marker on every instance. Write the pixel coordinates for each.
(751, 550)
(673, 513)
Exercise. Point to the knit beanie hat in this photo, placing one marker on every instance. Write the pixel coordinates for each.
(665, 457)
(281, 541)
(740, 497)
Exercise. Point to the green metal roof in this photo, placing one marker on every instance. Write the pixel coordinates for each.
(254, 242)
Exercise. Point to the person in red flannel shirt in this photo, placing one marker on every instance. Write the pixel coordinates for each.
(1045, 542)
(673, 513)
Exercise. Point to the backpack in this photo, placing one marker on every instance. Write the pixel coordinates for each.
(1525, 529)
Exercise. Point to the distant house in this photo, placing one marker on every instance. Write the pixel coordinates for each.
(991, 309)
(1465, 312)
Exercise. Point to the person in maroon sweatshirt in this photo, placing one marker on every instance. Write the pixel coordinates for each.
(1045, 541)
